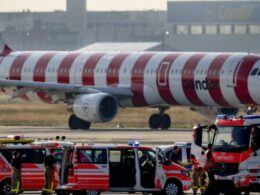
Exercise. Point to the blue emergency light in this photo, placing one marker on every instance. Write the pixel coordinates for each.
(133, 143)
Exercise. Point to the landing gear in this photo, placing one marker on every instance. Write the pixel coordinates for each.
(250, 110)
(161, 120)
(77, 123)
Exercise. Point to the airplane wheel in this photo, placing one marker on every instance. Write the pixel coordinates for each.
(74, 122)
(165, 121)
(155, 121)
(84, 125)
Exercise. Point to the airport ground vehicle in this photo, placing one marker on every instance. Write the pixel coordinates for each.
(95, 168)
(183, 155)
(235, 151)
(32, 156)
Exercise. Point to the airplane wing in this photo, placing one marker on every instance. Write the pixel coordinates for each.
(25, 86)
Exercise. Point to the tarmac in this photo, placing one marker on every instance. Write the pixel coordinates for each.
(101, 135)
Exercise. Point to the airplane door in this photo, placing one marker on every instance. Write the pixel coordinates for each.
(162, 73)
(232, 71)
(78, 75)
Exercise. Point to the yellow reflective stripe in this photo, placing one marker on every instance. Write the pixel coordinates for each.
(49, 190)
(17, 188)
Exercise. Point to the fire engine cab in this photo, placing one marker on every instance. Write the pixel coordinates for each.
(235, 153)
(32, 157)
(90, 169)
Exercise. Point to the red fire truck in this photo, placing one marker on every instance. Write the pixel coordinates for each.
(90, 169)
(32, 157)
(235, 150)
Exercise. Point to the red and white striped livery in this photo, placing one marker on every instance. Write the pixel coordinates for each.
(95, 84)
(94, 168)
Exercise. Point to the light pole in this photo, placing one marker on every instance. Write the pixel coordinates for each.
(163, 36)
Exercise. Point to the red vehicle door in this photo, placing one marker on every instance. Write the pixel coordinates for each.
(91, 169)
(32, 168)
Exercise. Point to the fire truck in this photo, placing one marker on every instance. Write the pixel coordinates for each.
(32, 157)
(235, 163)
(90, 169)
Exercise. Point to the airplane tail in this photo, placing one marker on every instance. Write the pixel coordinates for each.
(4, 48)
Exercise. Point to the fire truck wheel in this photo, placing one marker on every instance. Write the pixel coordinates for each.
(172, 188)
(5, 187)
(62, 192)
(92, 192)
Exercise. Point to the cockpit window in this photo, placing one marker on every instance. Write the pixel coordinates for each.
(254, 72)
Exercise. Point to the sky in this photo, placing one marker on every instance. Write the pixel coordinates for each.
(50, 5)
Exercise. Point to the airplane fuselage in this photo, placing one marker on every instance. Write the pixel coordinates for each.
(155, 78)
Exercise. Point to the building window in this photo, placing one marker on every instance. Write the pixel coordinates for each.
(211, 29)
(240, 29)
(196, 29)
(182, 29)
(254, 29)
(225, 29)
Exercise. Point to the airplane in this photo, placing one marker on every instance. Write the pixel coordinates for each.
(95, 84)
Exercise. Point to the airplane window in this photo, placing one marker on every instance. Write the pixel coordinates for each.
(97, 70)
(61, 70)
(151, 71)
(222, 72)
(210, 72)
(114, 70)
(172, 71)
(147, 71)
(206, 72)
(140, 71)
(197, 72)
(53, 70)
(25, 69)
(258, 73)
(201, 71)
(176, 71)
(125, 70)
(254, 72)
(17, 70)
(101, 70)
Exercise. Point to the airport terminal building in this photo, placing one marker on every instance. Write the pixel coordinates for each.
(185, 26)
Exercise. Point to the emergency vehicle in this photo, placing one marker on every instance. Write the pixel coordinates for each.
(183, 156)
(235, 164)
(87, 169)
(32, 157)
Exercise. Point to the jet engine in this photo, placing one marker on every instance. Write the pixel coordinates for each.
(96, 107)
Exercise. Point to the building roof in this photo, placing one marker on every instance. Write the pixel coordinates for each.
(121, 46)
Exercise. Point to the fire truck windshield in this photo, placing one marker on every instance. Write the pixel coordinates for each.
(231, 139)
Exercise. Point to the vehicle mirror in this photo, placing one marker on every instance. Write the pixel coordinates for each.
(198, 136)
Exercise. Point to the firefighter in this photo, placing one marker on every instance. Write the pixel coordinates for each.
(199, 176)
(210, 163)
(16, 172)
(49, 173)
